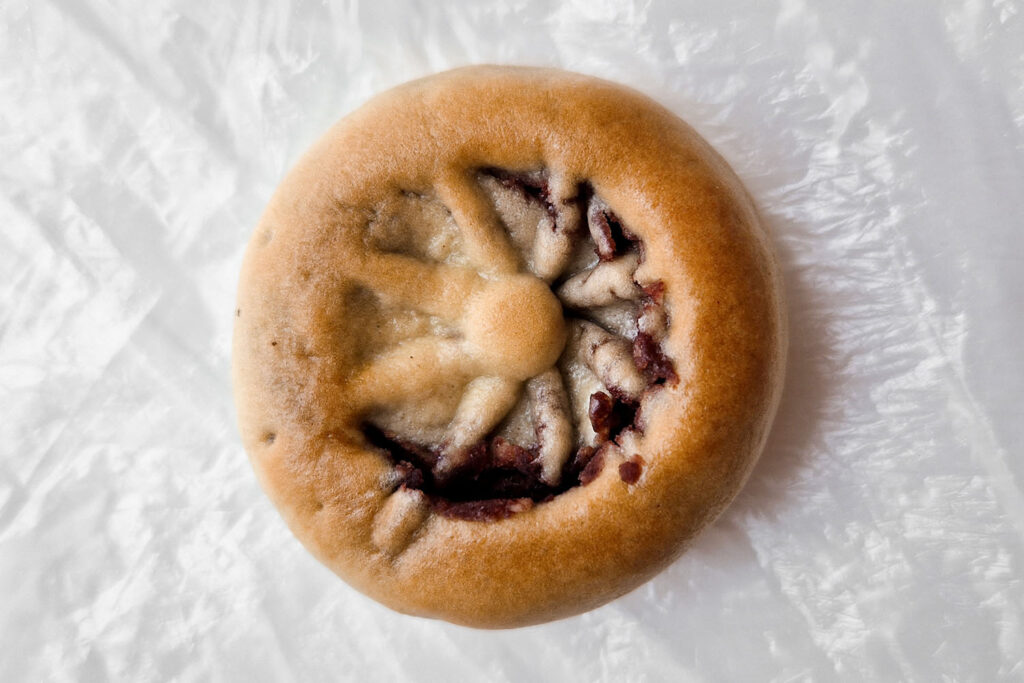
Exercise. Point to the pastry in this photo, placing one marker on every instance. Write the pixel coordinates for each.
(506, 340)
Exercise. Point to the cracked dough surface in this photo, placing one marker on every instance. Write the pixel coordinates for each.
(388, 206)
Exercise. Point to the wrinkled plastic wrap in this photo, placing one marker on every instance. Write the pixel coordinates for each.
(880, 537)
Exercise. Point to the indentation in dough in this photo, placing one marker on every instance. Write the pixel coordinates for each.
(418, 226)
(606, 283)
(541, 217)
(486, 242)
(520, 216)
(402, 514)
(268, 438)
(376, 326)
(552, 249)
(518, 425)
(619, 318)
(611, 359)
(551, 421)
(485, 402)
(408, 371)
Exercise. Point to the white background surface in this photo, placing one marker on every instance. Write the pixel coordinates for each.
(881, 536)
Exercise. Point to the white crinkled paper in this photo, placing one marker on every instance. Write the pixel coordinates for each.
(882, 535)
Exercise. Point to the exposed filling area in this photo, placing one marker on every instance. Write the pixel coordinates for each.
(508, 335)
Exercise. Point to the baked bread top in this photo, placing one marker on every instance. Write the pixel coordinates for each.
(506, 340)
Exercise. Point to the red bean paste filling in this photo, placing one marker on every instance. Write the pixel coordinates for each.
(499, 478)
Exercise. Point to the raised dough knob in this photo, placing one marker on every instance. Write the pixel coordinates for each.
(515, 327)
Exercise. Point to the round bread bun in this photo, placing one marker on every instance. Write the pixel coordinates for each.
(507, 339)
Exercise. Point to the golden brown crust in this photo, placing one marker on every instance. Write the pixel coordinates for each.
(295, 361)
